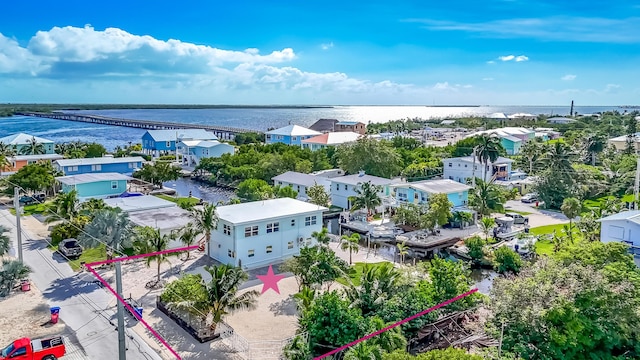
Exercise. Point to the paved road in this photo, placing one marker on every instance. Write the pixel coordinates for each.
(88, 310)
(537, 217)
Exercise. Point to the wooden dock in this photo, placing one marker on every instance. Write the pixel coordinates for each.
(222, 132)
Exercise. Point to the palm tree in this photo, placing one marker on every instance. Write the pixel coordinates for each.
(560, 158)
(488, 151)
(297, 349)
(5, 241)
(110, 227)
(487, 223)
(7, 150)
(367, 197)
(364, 351)
(91, 206)
(403, 250)
(222, 294)
(531, 152)
(486, 198)
(187, 236)
(389, 340)
(462, 217)
(11, 271)
(205, 221)
(33, 147)
(378, 282)
(149, 240)
(350, 243)
(571, 208)
(65, 206)
(594, 144)
(322, 236)
(305, 298)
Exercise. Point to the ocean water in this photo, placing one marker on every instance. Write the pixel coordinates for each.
(255, 119)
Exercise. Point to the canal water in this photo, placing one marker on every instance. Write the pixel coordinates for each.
(187, 186)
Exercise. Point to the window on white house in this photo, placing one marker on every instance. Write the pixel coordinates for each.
(293, 222)
(269, 249)
(290, 245)
(450, 164)
(465, 165)
(250, 231)
(168, 144)
(226, 229)
(273, 227)
(310, 220)
(346, 187)
(114, 185)
(337, 186)
(230, 253)
(251, 253)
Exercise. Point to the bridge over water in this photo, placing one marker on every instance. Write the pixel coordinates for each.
(222, 132)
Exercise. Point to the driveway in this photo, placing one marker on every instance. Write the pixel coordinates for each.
(537, 217)
(84, 307)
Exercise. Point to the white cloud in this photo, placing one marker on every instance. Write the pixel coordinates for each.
(556, 28)
(445, 86)
(327, 46)
(65, 51)
(491, 62)
(568, 77)
(518, 58)
(611, 88)
(487, 79)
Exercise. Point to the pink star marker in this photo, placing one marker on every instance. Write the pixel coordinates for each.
(270, 281)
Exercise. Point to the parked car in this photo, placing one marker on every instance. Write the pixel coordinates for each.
(517, 218)
(41, 349)
(70, 248)
(530, 198)
(28, 200)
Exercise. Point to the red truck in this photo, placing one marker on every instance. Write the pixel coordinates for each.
(40, 349)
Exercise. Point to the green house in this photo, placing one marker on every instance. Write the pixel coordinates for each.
(98, 185)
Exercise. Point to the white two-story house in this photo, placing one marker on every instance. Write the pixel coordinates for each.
(462, 169)
(622, 227)
(344, 187)
(300, 182)
(259, 233)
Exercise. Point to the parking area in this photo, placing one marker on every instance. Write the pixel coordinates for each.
(537, 217)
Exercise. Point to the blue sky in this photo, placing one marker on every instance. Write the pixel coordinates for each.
(493, 52)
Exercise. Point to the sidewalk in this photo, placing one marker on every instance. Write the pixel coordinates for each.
(86, 309)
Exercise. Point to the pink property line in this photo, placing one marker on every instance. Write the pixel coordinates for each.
(397, 324)
(90, 268)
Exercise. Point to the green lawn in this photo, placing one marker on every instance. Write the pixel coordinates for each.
(182, 201)
(523, 213)
(547, 229)
(358, 269)
(545, 247)
(32, 209)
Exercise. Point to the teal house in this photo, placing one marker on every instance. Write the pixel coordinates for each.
(98, 186)
(419, 192)
(193, 151)
(21, 143)
(511, 144)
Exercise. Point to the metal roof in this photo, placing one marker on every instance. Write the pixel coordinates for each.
(293, 130)
(333, 138)
(444, 186)
(139, 203)
(22, 139)
(361, 178)
(91, 178)
(631, 215)
(37, 157)
(293, 177)
(98, 160)
(255, 211)
(172, 135)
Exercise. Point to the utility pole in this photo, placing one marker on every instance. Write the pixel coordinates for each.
(636, 187)
(122, 346)
(16, 205)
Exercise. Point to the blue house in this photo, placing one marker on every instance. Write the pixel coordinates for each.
(511, 144)
(195, 150)
(290, 135)
(163, 142)
(419, 192)
(100, 186)
(107, 164)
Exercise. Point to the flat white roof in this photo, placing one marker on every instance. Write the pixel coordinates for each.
(264, 210)
(293, 130)
(469, 159)
(165, 219)
(201, 143)
(445, 186)
(293, 177)
(37, 157)
(139, 203)
(173, 134)
(91, 178)
(357, 179)
(99, 160)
